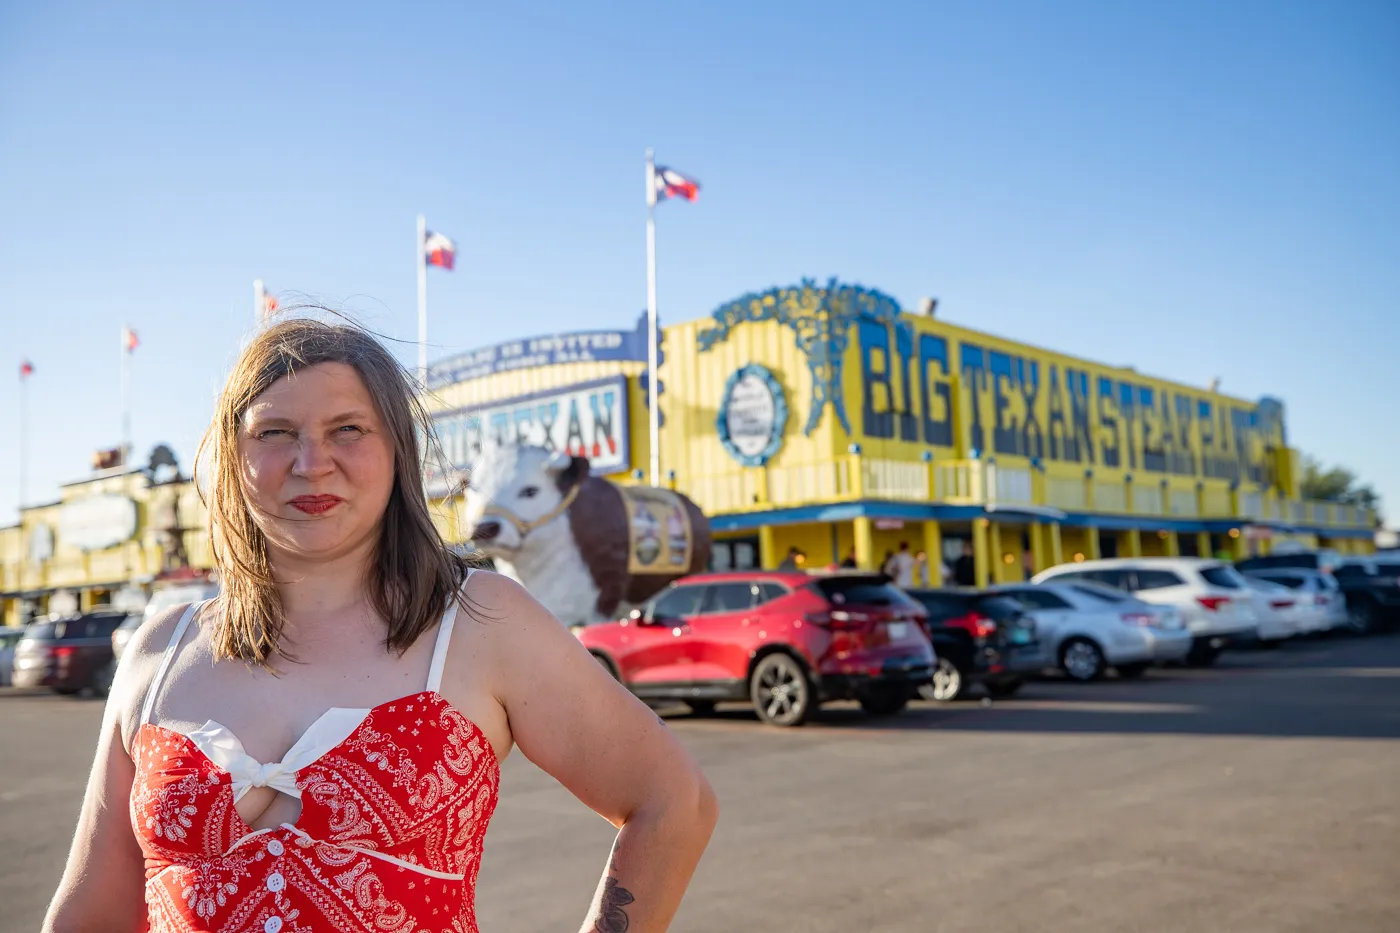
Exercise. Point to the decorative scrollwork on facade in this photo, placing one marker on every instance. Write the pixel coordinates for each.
(821, 317)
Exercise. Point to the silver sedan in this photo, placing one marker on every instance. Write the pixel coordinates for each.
(1087, 628)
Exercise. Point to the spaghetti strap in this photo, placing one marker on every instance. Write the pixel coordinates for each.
(175, 638)
(444, 636)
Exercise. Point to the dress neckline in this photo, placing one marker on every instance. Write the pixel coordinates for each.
(228, 778)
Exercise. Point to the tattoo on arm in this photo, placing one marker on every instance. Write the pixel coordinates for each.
(611, 917)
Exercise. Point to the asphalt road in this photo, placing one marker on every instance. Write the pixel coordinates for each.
(1262, 795)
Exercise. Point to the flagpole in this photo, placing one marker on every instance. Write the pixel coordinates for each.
(23, 440)
(653, 402)
(126, 396)
(422, 303)
(259, 301)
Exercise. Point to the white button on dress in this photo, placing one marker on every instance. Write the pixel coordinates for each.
(275, 882)
(272, 925)
(275, 848)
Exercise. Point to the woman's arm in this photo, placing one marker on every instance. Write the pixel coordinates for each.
(103, 886)
(573, 720)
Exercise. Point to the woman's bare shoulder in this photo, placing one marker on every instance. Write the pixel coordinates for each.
(140, 659)
(499, 603)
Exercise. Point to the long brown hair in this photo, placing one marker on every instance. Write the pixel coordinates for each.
(413, 576)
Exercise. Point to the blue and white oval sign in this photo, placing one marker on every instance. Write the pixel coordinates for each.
(752, 415)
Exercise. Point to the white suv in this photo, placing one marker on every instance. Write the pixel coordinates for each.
(1217, 604)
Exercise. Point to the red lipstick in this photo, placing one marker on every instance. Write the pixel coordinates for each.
(315, 505)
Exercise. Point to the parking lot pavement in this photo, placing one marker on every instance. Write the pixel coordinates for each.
(1260, 795)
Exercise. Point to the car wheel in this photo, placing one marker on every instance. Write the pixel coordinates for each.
(780, 691)
(1361, 618)
(947, 684)
(1202, 654)
(1132, 671)
(885, 700)
(607, 665)
(102, 680)
(1003, 689)
(1082, 660)
(701, 707)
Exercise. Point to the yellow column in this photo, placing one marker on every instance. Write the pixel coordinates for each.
(1173, 545)
(933, 547)
(84, 600)
(1057, 552)
(865, 543)
(994, 545)
(980, 552)
(1239, 546)
(1203, 543)
(1095, 550)
(767, 548)
(1038, 547)
(1133, 540)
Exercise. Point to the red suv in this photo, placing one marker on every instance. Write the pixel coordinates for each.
(786, 642)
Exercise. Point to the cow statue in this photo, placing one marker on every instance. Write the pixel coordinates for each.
(586, 548)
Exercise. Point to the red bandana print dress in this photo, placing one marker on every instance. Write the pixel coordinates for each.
(395, 805)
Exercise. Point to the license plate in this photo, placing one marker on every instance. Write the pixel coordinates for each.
(1019, 636)
(899, 629)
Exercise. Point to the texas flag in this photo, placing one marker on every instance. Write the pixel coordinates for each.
(26, 369)
(439, 250)
(672, 184)
(129, 341)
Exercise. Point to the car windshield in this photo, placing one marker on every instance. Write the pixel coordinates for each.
(863, 591)
(1227, 578)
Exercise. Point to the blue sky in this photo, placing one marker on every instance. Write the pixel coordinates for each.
(1195, 190)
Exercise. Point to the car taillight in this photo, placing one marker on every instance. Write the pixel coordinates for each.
(836, 620)
(63, 651)
(1139, 618)
(1213, 602)
(984, 627)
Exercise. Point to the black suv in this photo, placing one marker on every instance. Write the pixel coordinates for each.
(979, 637)
(69, 654)
(1370, 585)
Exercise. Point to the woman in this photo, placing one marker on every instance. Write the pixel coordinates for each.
(318, 748)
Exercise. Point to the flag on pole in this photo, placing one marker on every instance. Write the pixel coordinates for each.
(129, 340)
(672, 184)
(439, 250)
(26, 369)
(269, 305)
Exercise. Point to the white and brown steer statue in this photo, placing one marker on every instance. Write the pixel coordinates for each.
(588, 549)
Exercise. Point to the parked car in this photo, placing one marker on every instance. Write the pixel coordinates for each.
(1214, 601)
(784, 641)
(1312, 588)
(979, 638)
(1087, 628)
(1281, 613)
(69, 653)
(1370, 587)
(1372, 592)
(9, 637)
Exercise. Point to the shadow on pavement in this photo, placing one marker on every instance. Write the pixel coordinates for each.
(1337, 688)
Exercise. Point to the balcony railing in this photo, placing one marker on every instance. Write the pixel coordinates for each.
(981, 482)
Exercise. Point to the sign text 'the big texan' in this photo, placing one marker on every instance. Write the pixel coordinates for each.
(1031, 403)
(587, 419)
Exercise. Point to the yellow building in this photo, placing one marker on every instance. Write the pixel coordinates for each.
(818, 417)
(824, 417)
(122, 528)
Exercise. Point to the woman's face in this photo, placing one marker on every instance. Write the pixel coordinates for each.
(317, 463)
